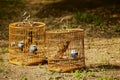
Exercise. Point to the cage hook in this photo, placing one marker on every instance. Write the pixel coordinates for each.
(27, 16)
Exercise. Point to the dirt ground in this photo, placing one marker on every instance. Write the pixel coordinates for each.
(102, 63)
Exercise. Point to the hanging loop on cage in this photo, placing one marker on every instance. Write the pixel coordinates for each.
(26, 18)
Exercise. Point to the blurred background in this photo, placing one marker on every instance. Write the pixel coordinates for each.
(98, 18)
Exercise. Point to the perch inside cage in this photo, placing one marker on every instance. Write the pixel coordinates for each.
(26, 43)
(65, 50)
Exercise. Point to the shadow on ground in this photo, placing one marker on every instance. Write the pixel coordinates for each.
(109, 66)
(105, 66)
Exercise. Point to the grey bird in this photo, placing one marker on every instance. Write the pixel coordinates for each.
(21, 45)
(33, 48)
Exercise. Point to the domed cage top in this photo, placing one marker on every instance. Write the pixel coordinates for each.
(26, 43)
(65, 49)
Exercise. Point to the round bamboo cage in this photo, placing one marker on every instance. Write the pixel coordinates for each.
(65, 50)
(26, 43)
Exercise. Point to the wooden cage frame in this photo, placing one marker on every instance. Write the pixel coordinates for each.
(59, 46)
(28, 36)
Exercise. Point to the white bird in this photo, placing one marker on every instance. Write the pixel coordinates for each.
(73, 54)
(21, 44)
(33, 48)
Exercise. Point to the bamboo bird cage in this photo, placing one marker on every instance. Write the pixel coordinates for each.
(65, 50)
(26, 43)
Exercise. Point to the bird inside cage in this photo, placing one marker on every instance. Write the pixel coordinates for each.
(73, 54)
(21, 45)
(33, 49)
